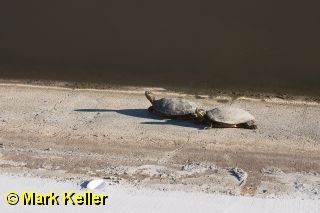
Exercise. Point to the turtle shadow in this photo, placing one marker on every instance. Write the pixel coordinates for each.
(144, 113)
(138, 113)
(177, 122)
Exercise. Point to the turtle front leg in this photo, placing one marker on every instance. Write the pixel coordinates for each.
(150, 109)
(208, 126)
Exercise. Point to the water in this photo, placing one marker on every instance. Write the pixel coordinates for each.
(261, 46)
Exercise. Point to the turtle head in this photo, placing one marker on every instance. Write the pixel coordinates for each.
(150, 96)
(200, 114)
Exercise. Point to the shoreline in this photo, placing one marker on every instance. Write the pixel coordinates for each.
(223, 96)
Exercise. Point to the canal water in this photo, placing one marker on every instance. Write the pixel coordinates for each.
(247, 45)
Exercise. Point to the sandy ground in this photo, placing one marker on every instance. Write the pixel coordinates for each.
(110, 134)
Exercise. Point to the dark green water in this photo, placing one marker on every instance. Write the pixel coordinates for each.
(260, 46)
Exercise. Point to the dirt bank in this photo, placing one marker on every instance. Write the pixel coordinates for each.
(110, 134)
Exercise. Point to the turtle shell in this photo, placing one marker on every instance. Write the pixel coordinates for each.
(174, 106)
(229, 115)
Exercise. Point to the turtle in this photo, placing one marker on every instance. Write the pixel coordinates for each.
(171, 107)
(224, 117)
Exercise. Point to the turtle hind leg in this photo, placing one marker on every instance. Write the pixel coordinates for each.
(219, 125)
(208, 125)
